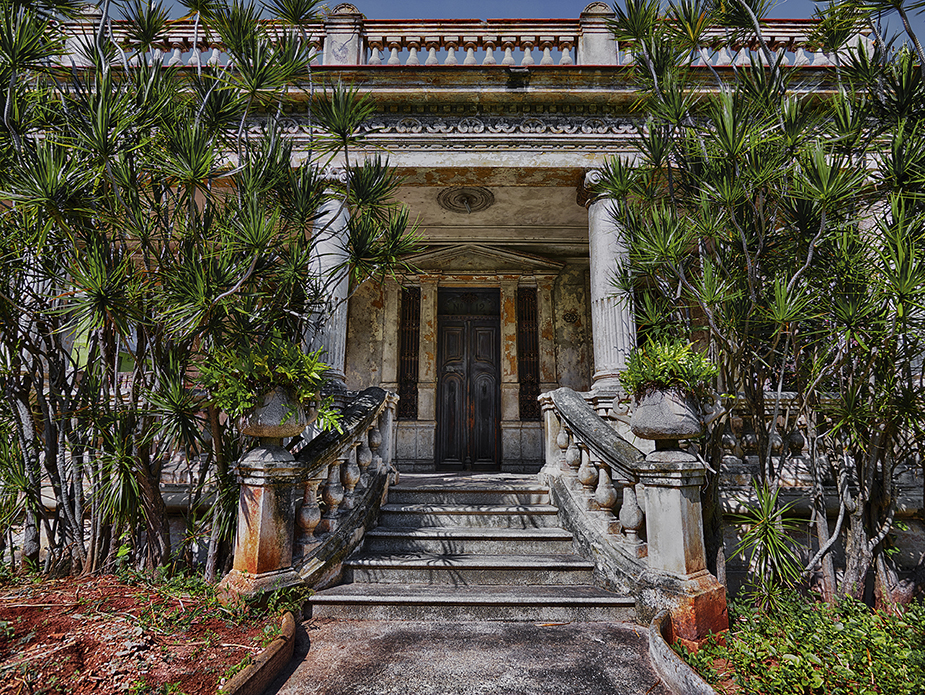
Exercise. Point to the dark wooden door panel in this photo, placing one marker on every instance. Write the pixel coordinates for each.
(468, 393)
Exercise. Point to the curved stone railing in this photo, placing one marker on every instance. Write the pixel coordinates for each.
(598, 466)
(666, 569)
(345, 37)
(300, 515)
(346, 473)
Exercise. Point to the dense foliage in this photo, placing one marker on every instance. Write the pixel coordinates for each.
(661, 364)
(779, 218)
(814, 648)
(154, 220)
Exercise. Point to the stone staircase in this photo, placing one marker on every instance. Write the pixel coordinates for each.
(469, 547)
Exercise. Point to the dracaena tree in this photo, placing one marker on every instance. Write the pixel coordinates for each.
(152, 217)
(784, 233)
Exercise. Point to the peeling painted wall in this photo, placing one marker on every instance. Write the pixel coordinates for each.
(365, 325)
(573, 328)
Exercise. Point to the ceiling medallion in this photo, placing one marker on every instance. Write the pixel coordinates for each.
(465, 199)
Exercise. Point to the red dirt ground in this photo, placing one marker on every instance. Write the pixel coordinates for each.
(103, 635)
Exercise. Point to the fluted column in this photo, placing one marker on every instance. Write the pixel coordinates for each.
(613, 324)
(328, 263)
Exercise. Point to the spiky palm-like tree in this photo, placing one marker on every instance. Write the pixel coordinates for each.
(151, 215)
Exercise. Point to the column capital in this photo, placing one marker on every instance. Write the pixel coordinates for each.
(585, 196)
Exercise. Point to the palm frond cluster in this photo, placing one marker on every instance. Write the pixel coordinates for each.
(147, 223)
(777, 219)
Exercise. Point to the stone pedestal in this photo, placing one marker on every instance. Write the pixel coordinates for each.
(674, 526)
(612, 321)
(343, 43)
(266, 523)
(596, 45)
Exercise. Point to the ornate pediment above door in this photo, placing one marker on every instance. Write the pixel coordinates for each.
(481, 259)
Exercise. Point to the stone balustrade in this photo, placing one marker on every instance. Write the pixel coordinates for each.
(657, 556)
(345, 37)
(303, 510)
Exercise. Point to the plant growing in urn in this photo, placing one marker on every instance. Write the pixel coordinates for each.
(669, 381)
(271, 387)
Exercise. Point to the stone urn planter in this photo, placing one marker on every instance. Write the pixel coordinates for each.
(667, 414)
(279, 415)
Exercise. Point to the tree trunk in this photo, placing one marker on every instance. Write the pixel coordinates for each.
(857, 557)
(221, 468)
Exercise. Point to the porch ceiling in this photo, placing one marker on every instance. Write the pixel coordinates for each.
(545, 220)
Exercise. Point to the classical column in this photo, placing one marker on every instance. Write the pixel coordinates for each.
(329, 256)
(613, 324)
(390, 337)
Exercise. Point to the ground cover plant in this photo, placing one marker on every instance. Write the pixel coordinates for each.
(807, 647)
(127, 633)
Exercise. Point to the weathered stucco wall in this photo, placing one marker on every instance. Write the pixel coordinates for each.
(365, 330)
(573, 328)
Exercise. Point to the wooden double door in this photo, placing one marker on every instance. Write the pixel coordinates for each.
(468, 380)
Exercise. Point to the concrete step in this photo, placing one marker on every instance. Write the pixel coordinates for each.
(450, 540)
(469, 570)
(399, 495)
(497, 516)
(577, 603)
(469, 490)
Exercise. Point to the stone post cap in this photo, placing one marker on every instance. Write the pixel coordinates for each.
(346, 8)
(597, 9)
(266, 464)
(671, 468)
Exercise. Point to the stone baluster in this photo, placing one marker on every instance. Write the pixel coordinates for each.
(309, 515)
(489, 43)
(507, 43)
(451, 46)
(723, 58)
(350, 475)
(469, 44)
(394, 44)
(562, 442)
(375, 443)
(605, 495)
(566, 48)
(176, 57)
(572, 456)
(332, 493)
(527, 43)
(375, 55)
(432, 43)
(631, 516)
(413, 47)
(800, 59)
(214, 59)
(587, 473)
(546, 43)
(364, 458)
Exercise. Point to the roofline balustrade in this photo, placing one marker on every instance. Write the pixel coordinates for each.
(346, 38)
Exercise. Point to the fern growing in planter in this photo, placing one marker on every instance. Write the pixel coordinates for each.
(237, 377)
(668, 364)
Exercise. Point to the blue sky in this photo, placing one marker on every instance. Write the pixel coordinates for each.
(486, 9)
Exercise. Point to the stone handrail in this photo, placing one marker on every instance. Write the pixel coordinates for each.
(347, 472)
(668, 568)
(346, 38)
(592, 460)
(284, 536)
